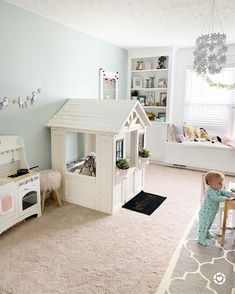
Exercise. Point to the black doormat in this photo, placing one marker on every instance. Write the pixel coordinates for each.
(144, 202)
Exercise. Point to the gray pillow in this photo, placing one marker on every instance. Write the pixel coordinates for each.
(178, 133)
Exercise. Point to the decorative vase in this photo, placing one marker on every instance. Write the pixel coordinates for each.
(152, 82)
(139, 65)
(144, 160)
(147, 83)
(123, 172)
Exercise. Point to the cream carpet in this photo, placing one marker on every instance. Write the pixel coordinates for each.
(78, 250)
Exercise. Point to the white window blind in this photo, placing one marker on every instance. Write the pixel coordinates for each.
(210, 107)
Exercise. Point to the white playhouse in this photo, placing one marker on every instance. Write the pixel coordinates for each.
(98, 132)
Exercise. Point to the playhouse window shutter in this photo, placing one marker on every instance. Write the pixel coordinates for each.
(210, 107)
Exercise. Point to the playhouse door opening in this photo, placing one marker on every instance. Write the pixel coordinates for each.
(133, 147)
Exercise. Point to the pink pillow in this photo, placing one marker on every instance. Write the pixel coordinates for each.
(228, 141)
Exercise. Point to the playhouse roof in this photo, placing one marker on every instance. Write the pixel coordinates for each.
(95, 115)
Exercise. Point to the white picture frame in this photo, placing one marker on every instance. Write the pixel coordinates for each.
(137, 82)
(163, 98)
(150, 98)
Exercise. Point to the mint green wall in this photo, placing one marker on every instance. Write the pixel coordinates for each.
(36, 52)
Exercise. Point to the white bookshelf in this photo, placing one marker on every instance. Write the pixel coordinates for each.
(146, 79)
(157, 133)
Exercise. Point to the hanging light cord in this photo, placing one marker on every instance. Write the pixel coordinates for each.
(210, 20)
(220, 21)
(200, 68)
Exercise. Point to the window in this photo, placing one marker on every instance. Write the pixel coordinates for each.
(141, 141)
(210, 107)
(119, 149)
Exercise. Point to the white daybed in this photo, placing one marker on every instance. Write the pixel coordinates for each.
(200, 155)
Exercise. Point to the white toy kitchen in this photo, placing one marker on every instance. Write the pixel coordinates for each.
(19, 185)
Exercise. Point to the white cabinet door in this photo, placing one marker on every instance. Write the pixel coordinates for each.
(156, 136)
(8, 209)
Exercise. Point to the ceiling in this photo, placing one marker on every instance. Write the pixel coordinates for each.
(137, 23)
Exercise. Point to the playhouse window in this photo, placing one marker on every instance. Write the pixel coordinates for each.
(119, 149)
(81, 153)
(74, 149)
(141, 141)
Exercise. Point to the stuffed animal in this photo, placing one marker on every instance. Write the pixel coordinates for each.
(150, 115)
(191, 132)
(204, 134)
(89, 165)
(206, 137)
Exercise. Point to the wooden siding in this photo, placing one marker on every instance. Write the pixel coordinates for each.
(105, 166)
(58, 156)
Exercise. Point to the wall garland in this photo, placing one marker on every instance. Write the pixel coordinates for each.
(22, 102)
(211, 83)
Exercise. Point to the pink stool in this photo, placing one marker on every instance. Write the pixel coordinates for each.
(50, 181)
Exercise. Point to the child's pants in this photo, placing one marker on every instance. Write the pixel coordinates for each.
(205, 222)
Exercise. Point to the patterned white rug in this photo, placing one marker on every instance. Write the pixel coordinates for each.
(197, 269)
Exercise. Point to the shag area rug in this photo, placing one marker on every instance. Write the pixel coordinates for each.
(198, 269)
(75, 250)
(144, 202)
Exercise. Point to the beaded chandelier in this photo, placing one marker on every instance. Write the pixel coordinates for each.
(211, 49)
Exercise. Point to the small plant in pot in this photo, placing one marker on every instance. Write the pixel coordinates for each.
(144, 155)
(123, 164)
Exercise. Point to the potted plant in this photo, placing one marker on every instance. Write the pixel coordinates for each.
(123, 165)
(144, 155)
(134, 94)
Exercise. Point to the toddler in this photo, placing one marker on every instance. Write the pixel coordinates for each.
(215, 194)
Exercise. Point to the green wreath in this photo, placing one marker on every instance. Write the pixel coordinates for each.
(211, 83)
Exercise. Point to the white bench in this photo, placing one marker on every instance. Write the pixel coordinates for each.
(200, 155)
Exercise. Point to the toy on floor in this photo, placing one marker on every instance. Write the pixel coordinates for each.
(210, 206)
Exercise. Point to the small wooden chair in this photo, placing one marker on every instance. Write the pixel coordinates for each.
(228, 205)
(50, 181)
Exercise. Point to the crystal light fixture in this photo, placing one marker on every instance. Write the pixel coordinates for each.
(210, 52)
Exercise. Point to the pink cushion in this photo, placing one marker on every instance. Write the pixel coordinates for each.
(50, 179)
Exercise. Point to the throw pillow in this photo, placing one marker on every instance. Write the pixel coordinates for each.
(178, 132)
(191, 132)
(170, 134)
